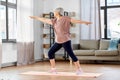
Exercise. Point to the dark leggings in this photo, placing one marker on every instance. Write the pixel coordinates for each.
(66, 46)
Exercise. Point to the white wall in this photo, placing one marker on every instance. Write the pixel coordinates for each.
(38, 11)
(69, 5)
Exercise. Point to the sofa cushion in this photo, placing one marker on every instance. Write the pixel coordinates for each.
(106, 53)
(84, 52)
(113, 44)
(89, 44)
(104, 44)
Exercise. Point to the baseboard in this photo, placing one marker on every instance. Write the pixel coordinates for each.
(9, 64)
(14, 63)
(37, 60)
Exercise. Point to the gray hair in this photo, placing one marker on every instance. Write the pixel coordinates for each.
(60, 11)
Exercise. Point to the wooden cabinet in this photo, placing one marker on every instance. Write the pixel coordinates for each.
(48, 35)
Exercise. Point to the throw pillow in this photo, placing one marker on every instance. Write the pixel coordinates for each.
(113, 44)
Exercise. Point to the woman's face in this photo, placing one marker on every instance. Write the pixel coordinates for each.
(56, 13)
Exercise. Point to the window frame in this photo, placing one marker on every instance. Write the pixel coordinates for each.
(105, 8)
(8, 5)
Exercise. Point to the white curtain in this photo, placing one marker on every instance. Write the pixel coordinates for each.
(25, 41)
(90, 11)
(0, 39)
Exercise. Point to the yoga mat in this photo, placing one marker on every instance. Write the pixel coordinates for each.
(38, 73)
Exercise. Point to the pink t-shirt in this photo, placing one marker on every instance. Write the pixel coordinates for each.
(62, 29)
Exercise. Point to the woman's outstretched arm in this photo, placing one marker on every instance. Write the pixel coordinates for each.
(44, 20)
(80, 22)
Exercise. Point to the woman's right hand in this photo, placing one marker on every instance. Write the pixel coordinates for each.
(33, 17)
(87, 23)
(44, 20)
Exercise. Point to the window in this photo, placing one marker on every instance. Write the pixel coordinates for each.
(113, 2)
(12, 1)
(12, 23)
(110, 11)
(3, 21)
(8, 15)
(102, 23)
(3, 0)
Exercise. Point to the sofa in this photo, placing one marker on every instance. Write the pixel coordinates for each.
(96, 50)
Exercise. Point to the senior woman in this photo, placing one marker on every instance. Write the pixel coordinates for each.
(61, 25)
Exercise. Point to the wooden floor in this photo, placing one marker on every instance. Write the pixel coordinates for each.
(110, 71)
